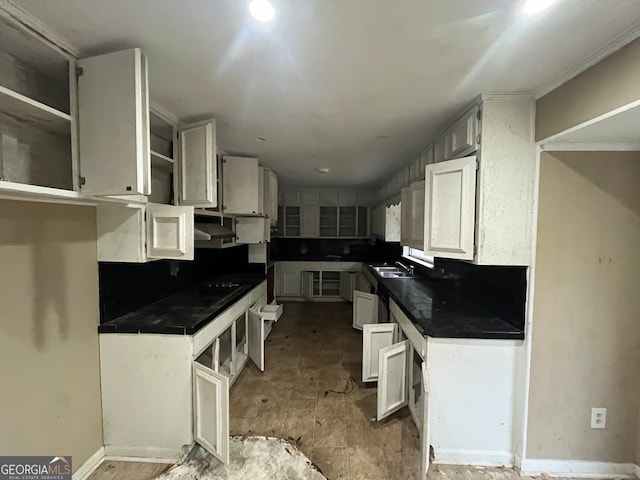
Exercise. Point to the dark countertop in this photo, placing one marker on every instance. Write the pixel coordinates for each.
(437, 312)
(185, 312)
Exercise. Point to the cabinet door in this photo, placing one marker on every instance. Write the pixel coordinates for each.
(198, 172)
(424, 430)
(270, 196)
(406, 217)
(113, 124)
(252, 230)
(347, 284)
(374, 339)
(256, 338)
(241, 186)
(310, 221)
(211, 411)
(289, 284)
(393, 366)
(450, 203)
(439, 154)
(417, 216)
(170, 232)
(461, 138)
(365, 309)
(306, 280)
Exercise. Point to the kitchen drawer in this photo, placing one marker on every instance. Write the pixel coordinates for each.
(271, 312)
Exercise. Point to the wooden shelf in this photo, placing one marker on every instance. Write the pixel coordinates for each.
(161, 162)
(32, 111)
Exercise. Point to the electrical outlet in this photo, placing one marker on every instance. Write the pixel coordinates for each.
(598, 418)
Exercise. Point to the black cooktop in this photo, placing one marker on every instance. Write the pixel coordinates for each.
(185, 312)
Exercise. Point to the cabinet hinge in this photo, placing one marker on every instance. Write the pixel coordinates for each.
(82, 180)
(479, 114)
(79, 71)
(478, 139)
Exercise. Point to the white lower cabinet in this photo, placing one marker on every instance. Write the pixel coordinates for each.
(211, 410)
(390, 357)
(347, 285)
(178, 392)
(374, 339)
(317, 281)
(144, 232)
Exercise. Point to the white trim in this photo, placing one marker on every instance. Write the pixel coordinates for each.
(616, 44)
(590, 147)
(599, 118)
(117, 458)
(163, 113)
(481, 458)
(88, 467)
(531, 280)
(637, 470)
(137, 453)
(37, 28)
(577, 468)
(505, 97)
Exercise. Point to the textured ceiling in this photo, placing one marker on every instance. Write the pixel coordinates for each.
(328, 77)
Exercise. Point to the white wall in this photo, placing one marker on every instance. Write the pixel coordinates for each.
(49, 367)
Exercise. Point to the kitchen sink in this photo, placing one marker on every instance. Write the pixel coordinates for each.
(394, 274)
(386, 269)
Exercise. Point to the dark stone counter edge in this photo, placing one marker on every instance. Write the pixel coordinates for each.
(179, 330)
(476, 333)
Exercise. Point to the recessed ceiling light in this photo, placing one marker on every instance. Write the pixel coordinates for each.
(261, 139)
(323, 170)
(535, 6)
(262, 10)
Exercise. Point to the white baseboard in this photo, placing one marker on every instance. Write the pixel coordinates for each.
(90, 465)
(517, 460)
(481, 458)
(637, 470)
(578, 468)
(142, 454)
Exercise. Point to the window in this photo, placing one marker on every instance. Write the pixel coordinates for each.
(417, 256)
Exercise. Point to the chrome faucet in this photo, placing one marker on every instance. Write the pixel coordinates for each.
(408, 270)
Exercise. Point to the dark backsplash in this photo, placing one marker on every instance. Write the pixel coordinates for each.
(321, 249)
(501, 290)
(125, 287)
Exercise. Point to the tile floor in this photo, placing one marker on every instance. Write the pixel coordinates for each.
(312, 354)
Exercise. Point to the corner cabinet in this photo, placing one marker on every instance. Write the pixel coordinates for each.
(478, 208)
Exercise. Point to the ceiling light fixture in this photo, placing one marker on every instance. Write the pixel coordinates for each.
(323, 170)
(261, 139)
(262, 10)
(535, 6)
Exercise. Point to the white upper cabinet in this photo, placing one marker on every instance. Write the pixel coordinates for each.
(309, 221)
(347, 198)
(461, 138)
(417, 215)
(251, 230)
(198, 168)
(170, 232)
(496, 209)
(242, 185)
(113, 124)
(393, 387)
(405, 217)
(145, 232)
(449, 223)
(270, 193)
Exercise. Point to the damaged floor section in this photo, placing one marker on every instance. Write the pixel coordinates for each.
(255, 458)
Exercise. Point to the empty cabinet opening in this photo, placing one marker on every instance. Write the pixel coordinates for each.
(161, 138)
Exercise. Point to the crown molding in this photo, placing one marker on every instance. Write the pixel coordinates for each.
(18, 15)
(616, 44)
